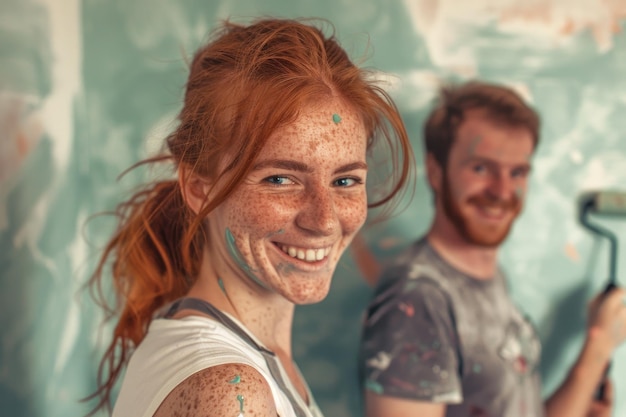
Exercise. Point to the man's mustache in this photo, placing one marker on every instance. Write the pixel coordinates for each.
(488, 200)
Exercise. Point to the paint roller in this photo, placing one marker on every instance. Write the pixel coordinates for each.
(610, 204)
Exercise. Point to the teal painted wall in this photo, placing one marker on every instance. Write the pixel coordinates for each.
(89, 87)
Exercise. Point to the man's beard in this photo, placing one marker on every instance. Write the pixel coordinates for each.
(472, 231)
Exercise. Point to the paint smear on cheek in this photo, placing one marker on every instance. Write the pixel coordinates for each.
(285, 268)
(520, 193)
(238, 258)
(278, 232)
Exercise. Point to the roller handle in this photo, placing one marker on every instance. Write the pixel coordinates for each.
(600, 391)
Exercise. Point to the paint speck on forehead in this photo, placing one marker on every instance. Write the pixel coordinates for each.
(474, 144)
(336, 118)
(313, 123)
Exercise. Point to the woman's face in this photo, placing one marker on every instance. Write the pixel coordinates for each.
(284, 229)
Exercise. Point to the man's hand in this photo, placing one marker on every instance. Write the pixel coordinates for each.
(607, 318)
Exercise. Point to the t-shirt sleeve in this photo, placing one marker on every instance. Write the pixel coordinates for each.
(409, 344)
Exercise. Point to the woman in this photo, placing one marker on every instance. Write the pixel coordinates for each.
(270, 156)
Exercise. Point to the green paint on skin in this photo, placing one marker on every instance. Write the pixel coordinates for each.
(235, 380)
(374, 386)
(221, 284)
(278, 232)
(285, 269)
(240, 399)
(519, 192)
(238, 258)
(336, 118)
(474, 145)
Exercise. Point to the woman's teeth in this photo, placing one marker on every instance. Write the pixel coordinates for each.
(308, 255)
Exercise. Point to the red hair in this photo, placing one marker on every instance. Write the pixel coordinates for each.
(243, 85)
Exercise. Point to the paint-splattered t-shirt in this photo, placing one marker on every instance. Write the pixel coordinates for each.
(434, 334)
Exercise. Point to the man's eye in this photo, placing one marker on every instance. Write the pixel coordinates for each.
(479, 168)
(519, 173)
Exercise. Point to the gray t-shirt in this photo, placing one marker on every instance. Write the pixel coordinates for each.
(434, 334)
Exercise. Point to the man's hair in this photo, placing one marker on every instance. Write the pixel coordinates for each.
(498, 103)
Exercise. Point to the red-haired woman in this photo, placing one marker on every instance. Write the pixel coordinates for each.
(270, 156)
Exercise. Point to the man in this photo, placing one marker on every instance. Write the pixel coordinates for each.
(441, 336)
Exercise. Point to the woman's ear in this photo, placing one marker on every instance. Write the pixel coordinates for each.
(195, 188)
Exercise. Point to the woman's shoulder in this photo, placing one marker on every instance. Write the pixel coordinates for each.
(174, 351)
(225, 390)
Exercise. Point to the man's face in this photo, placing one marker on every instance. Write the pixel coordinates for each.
(481, 190)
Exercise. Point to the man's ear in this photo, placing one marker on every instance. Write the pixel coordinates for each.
(195, 188)
(434, 172)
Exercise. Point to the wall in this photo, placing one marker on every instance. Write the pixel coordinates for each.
(89, 87)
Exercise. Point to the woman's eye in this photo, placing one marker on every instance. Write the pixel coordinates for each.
(346, 182)
(278, 180)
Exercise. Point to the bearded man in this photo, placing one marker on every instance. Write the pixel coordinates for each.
(441, 336)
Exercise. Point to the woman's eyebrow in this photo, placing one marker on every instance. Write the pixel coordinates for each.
(302, 167)
(284, 164)
(351, 167)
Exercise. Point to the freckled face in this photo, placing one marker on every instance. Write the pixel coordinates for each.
(303, 202)
(485, 181)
